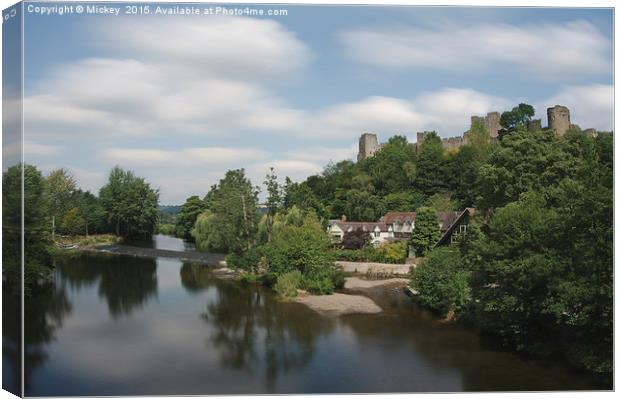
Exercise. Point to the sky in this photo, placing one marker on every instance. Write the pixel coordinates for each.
(181, 99)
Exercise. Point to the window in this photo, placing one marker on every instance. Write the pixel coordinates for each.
(377, 234)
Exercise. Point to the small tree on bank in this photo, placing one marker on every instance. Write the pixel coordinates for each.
(426, 232)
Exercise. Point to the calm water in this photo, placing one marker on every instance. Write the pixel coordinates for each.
(118, 325)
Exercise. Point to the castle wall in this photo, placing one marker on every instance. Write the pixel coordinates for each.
(368, 145)
(558, 119)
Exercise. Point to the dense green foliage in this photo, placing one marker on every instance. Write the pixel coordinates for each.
(426, 232)
(130, 204)
(186, 218)
(517, 117)
(230, 223)
(287, 284)
(536, 266)
(442, 282)
(37, 264)
(385, 253)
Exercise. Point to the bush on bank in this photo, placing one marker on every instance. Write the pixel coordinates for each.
(395, 253)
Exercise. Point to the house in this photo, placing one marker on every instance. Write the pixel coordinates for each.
(379, 232)
(395, 226)
(454, 226)
(402, 223)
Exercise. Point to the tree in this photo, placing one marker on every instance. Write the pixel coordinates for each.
(186, 218)
(61, 188)
(463, 168)
(403, 201)
(37, 264)
(525, 161)
(73, 223)
(426, 232)
(358, 205)
(442, 282)
(392, 169)
(301, 196)
(274, 199)
(355, 239)
(232, 220)
(92, 212)
(430, 175)
(130, 204)
(543, 273)
(305, 249)
(517, 117)
(442, 202)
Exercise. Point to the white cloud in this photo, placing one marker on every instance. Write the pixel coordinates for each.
(447, 111)
(188, 157)
(591, 106)
(323, 155)
(127, 97)
(222, 46)
(543, 50)
(33, 148)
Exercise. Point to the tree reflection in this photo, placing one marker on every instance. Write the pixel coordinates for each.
(256, 332)
(195, 277)
(126, 283)
(43, 316)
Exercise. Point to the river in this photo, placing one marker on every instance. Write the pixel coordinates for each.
(121, 325)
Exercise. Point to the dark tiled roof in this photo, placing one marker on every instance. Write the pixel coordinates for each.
(453, 223)
(446, 219)
(365, 226)
(401, 217)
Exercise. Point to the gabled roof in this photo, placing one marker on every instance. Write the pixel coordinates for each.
(453, 224)
(401, 217)
(365, 226)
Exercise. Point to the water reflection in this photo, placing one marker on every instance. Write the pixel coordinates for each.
(256, 332)
(223, 337)
(45, 311)
(126, 283)
(196, 278)
(160, 241)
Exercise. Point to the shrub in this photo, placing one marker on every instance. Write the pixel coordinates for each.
(393, 253)
(355, 239)
(386, 253)
(73, 223)
(249, 260)
(287, 284)
(442, 283)
(304, 249)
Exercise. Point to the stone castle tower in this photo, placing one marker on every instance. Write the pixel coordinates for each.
(491, 123)
(558, 119)
(368, 145)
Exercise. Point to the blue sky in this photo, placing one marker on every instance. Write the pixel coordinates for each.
(181, 99)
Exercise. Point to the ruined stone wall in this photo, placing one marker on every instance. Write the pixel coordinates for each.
(368, 145)
(453, 142)
(558, 118)
(491, 123)
(534, 125)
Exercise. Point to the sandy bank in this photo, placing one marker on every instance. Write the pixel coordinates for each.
(339, 304)
(352, 283)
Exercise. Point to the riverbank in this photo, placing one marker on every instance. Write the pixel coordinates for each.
(358, 297)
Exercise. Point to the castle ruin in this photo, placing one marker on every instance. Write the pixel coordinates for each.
(558, 118)
(558, 121)
(368, 145)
